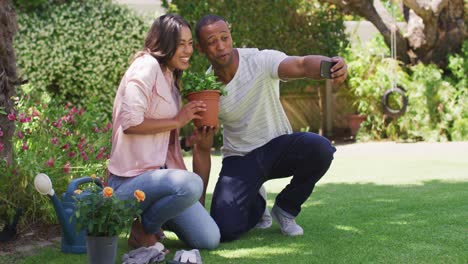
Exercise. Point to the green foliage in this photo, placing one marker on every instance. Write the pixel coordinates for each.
(435, 98)
(63, 141)
(101, 213)
(195, 82)
(78, 50)
(295, 27)
(30, 4)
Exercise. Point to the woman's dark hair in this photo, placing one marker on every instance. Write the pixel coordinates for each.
(163, 39)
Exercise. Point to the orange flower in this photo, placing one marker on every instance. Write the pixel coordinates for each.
(78, 191)
(139, 195)
(107, 192)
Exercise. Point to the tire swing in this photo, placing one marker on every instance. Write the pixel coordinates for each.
(395, 90)
(387, 109)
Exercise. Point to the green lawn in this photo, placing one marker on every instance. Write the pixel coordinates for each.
(379, 203)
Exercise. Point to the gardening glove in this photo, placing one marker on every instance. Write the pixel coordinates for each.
(191, 256)
(145, 255)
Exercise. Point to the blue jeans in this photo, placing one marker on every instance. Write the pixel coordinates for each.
(237, 206)
(171, 201)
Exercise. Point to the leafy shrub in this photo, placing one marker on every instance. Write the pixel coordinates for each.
(63, 141)
(435, 98)
(78, 50)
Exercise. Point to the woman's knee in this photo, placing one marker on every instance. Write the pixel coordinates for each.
(191, 185)
(210, 241)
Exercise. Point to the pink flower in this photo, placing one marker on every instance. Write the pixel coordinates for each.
(11, 116)
(57, 124)
(25, 146)
(50, 162)
(99, 156)
(35, 113)
(20, 135)
(66, 167)
(84, 156)
(1, 133)
(66, 146)
(54, 140)
(1, 146)
(72, 154)
(96, 129)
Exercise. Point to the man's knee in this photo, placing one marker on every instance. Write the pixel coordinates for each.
(318, 147)
(231, 207)
(229, 228)
(229, 222)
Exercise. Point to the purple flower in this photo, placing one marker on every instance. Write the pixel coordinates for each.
(11, 117)
(66, 167)
(50, 162)
(25, 146)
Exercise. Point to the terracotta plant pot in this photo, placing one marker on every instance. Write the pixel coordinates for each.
(354, 123)
(211, 99)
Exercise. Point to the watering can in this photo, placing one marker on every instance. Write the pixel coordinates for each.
(72, 241)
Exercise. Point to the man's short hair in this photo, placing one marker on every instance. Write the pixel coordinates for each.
(206, 20)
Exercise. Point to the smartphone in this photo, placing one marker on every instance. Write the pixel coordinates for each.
(325, 69)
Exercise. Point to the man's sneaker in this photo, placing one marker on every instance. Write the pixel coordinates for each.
(265, 222)
(287, 223)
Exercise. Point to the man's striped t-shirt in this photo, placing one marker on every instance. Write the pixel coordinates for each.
(251, 113)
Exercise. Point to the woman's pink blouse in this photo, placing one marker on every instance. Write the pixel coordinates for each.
(144, 92)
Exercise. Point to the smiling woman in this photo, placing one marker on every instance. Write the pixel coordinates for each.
(146, 152)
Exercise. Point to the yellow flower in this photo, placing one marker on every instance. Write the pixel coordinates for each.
(93, 176)
(78, 191)
(107, 192)
(139, 195)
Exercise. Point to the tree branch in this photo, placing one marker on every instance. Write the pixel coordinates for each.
(426, 9)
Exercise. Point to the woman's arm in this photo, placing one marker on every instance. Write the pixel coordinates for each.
(153, 126)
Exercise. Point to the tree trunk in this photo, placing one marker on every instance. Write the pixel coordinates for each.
(8, 77)
(434, 28)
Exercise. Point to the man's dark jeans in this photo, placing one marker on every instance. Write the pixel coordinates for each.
(237, 206)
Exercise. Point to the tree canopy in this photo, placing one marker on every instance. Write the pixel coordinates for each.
(432, 30)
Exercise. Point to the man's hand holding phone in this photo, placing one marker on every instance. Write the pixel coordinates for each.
(334, 69)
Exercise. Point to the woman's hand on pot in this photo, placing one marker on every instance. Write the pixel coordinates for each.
(189, 112)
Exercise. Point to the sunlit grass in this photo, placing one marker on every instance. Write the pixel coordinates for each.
(355, 215)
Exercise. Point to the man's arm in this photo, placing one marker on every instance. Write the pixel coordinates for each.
(294, 67)
(202, 158)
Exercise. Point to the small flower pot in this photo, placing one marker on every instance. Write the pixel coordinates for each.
(101, 250)
(354, 123)
(211, 99)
